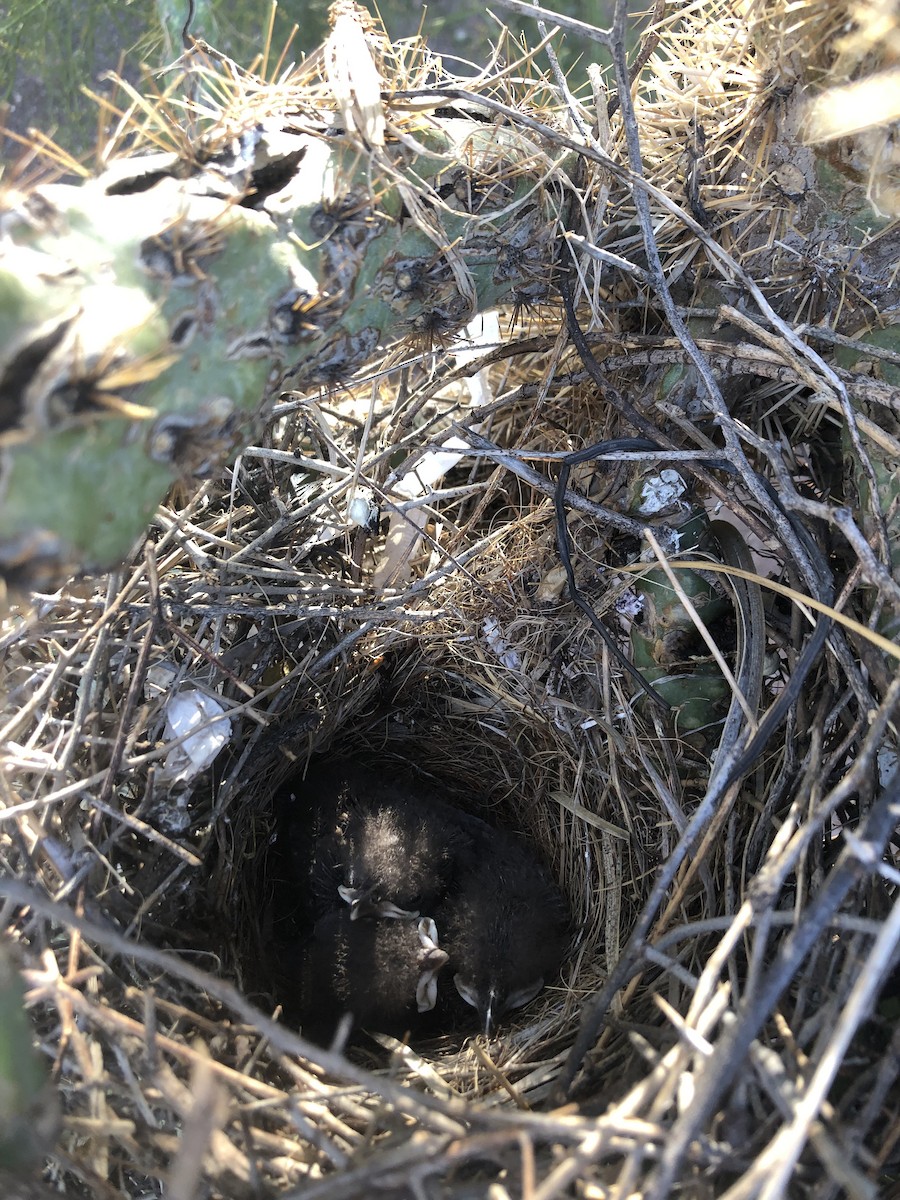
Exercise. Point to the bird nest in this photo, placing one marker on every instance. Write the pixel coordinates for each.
(721, 1023)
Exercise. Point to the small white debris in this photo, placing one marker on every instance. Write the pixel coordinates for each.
(630, 604)
(661, 491)
(362, 511)
(159, 680)
(669, 542)
(887, 765)
(498, 643)
(190, 709)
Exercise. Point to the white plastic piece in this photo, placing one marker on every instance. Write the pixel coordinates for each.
(191, 709)
(406, 527)
(362, 509)
(887, 765)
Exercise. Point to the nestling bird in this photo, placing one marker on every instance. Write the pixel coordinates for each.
(396, 849)
(381, 971)
(505, 927)
(387, 849)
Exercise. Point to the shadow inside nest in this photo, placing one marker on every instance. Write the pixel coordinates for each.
(392, 910)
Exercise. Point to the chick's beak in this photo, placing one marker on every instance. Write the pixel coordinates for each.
(490, 1014)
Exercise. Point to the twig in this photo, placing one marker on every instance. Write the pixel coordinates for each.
(732, 1047)
(424, 1109)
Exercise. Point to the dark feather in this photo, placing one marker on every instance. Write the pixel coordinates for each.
(390, 847)
(393, 847)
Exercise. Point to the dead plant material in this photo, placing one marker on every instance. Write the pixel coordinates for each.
(725, 1022)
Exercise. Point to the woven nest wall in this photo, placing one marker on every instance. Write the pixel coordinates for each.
(727, 1029)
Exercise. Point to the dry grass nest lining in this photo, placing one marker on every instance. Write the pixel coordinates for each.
(479, 670)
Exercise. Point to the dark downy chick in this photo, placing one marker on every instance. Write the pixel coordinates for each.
(505, 928)
(389, 849)
(402, 855)
(382, 972)
(397, 849)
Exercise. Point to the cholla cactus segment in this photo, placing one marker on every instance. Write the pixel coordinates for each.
(150, 313)
(29, 1116)
(126, 362)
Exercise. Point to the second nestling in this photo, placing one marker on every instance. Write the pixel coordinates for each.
(504, 926)
(381, 971)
